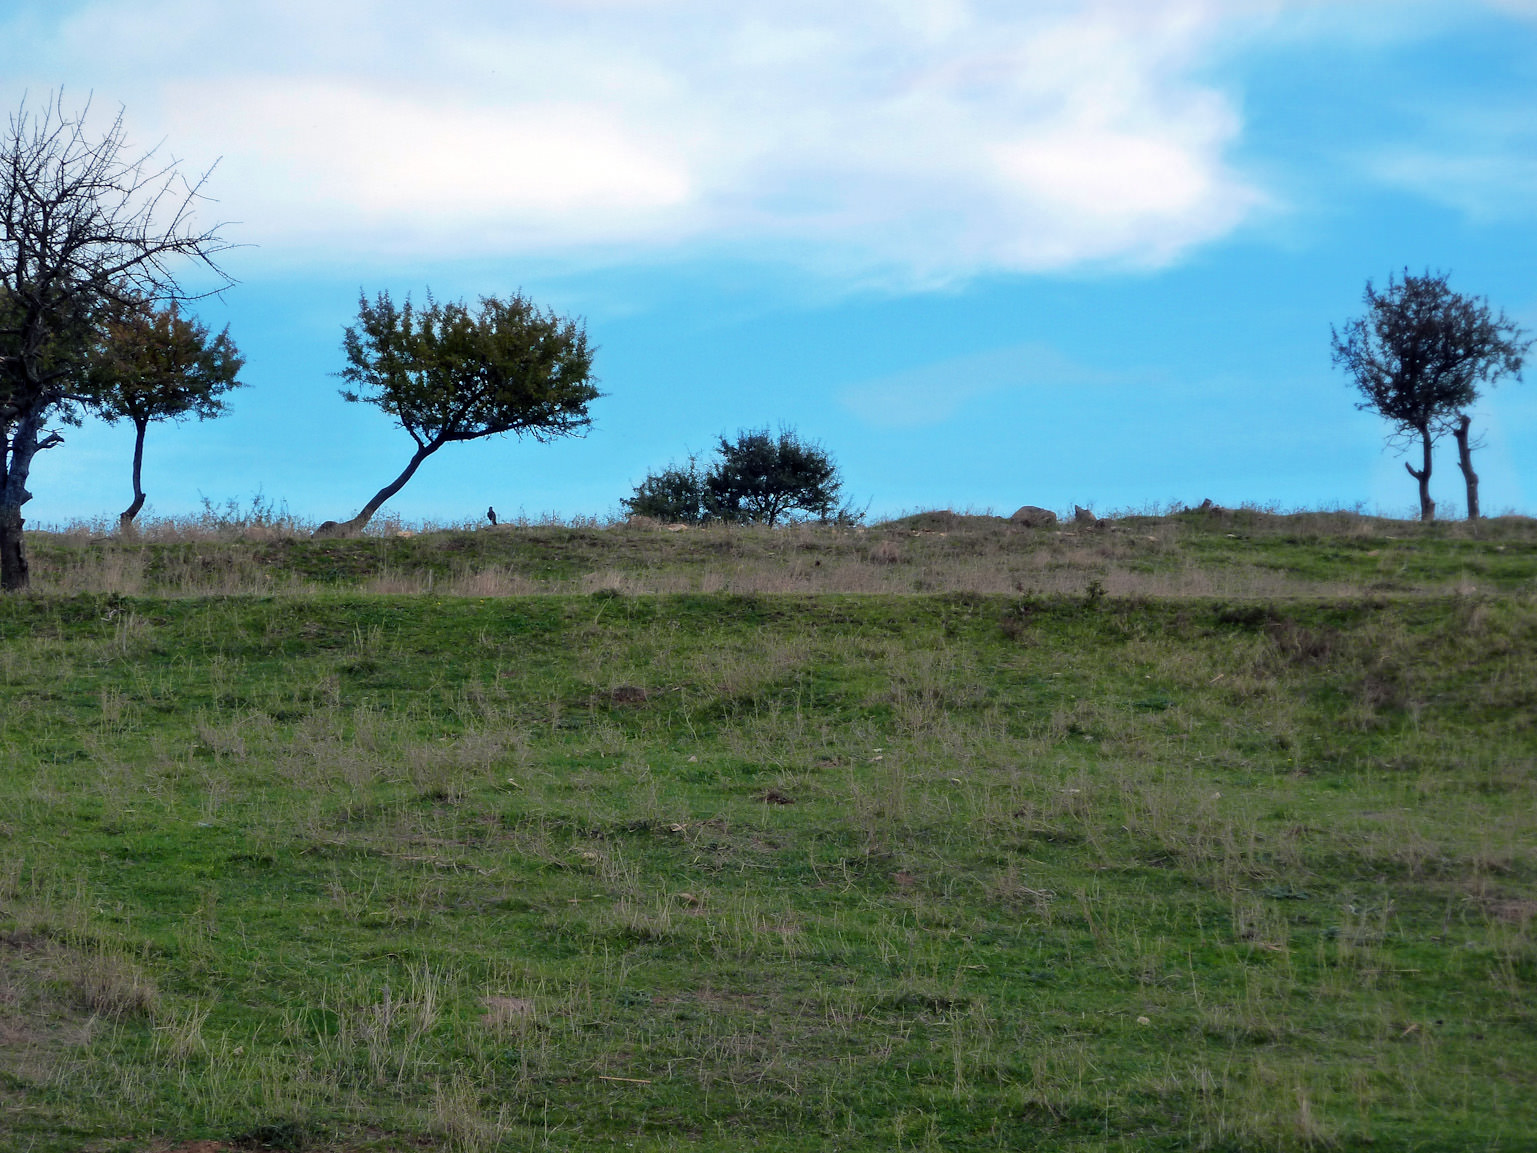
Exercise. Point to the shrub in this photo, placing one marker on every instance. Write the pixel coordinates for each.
(759, 478)
(676, 495)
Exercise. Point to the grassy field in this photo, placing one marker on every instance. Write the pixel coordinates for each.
(1190, 832)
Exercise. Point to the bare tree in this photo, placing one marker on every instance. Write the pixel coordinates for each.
(1418, 357)
(86, 224)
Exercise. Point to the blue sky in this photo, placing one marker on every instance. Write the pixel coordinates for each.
(988, 253)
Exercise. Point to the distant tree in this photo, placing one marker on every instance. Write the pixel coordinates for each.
(761, 477)
(85, 226)
(152, 364)
(676, 494)
(447, 373)
(1418, 357)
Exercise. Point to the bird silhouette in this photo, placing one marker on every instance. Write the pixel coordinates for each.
(491, 516)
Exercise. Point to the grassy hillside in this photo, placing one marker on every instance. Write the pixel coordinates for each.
(1228, 553)
(1053, 867)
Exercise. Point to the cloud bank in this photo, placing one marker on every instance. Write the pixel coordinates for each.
(926, 140)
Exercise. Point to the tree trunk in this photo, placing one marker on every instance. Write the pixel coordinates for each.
(13, 553)
(1465, 462)
(356, 524)
(1427, 506)
(125, 521)
(16, 465)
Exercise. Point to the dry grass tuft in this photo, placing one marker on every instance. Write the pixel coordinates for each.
(110, 985)
(506, 1013)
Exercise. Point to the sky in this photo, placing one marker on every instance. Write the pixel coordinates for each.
(987, 252)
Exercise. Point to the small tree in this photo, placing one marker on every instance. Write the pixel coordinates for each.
(676, 494)
(85, 225)
(1418, 357)
(446, 374)
(761, 477)
(758, 479)
(156, 364)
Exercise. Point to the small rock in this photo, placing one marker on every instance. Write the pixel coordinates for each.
(1084, 516)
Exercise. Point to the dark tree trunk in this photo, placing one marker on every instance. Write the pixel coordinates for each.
(13, 553)
(125, 521)
(16, 465)
(357, 523)
(1465, 462)
(1427, 506)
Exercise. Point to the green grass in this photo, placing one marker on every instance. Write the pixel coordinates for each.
(1031, 870)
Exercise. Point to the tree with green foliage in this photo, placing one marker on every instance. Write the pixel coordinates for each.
(676, 495)
(86, 226)
(759, 478)
(450, 373)
(1418, 357)
(152, 364)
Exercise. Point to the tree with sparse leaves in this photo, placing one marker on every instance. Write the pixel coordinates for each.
(448, 373)
(153, 364)
(1418, 357)
(86, 226)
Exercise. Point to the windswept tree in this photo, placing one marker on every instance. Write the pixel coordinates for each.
(86, 225)
(448, 373)
(1418, 357)
(153, 364)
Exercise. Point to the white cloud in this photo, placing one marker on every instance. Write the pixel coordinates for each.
(323, 157)
(1485, 179)
(922, 139)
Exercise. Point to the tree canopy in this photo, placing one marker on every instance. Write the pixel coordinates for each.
(1418, 356)
(446, 373)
